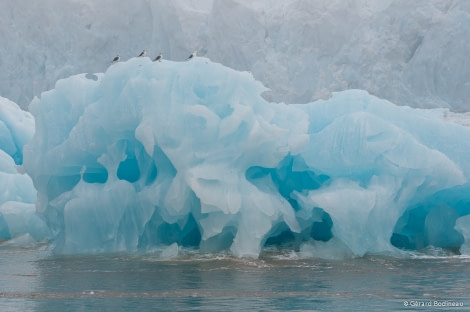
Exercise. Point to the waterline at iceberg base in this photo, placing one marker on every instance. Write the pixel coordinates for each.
(151, 154)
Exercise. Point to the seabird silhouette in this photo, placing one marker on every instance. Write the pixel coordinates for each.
(192, 55)
(142, 53)
(117, 58)
(159, 57)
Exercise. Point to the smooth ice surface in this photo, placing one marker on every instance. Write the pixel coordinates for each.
(17, 194)
(16, 128)
(412, 53)
(189, 154)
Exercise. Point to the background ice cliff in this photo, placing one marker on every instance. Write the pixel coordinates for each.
(412, 53)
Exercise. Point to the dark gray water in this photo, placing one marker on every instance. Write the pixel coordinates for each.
(34, 280)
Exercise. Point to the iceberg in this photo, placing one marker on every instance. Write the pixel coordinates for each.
(151, 154)
(17, 194)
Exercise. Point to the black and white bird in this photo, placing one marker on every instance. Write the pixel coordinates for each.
(159, 57)
(116, 58)
(192, 55)
(142, 53)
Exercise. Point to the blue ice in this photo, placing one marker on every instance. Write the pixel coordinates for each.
(19, 222)
(190, 153)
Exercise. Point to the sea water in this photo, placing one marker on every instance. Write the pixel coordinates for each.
(36, 280)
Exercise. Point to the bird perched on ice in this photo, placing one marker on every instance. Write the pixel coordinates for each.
(142, 53)
(116, 58)
(159, 57)
(192, 55)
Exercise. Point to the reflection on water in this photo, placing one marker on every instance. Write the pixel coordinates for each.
(33, 280)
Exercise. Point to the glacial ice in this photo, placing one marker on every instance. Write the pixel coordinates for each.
(17, 194)
(412, 53)
(190, 154)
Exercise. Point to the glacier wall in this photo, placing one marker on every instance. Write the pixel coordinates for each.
(156, 153)
(412, 53)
